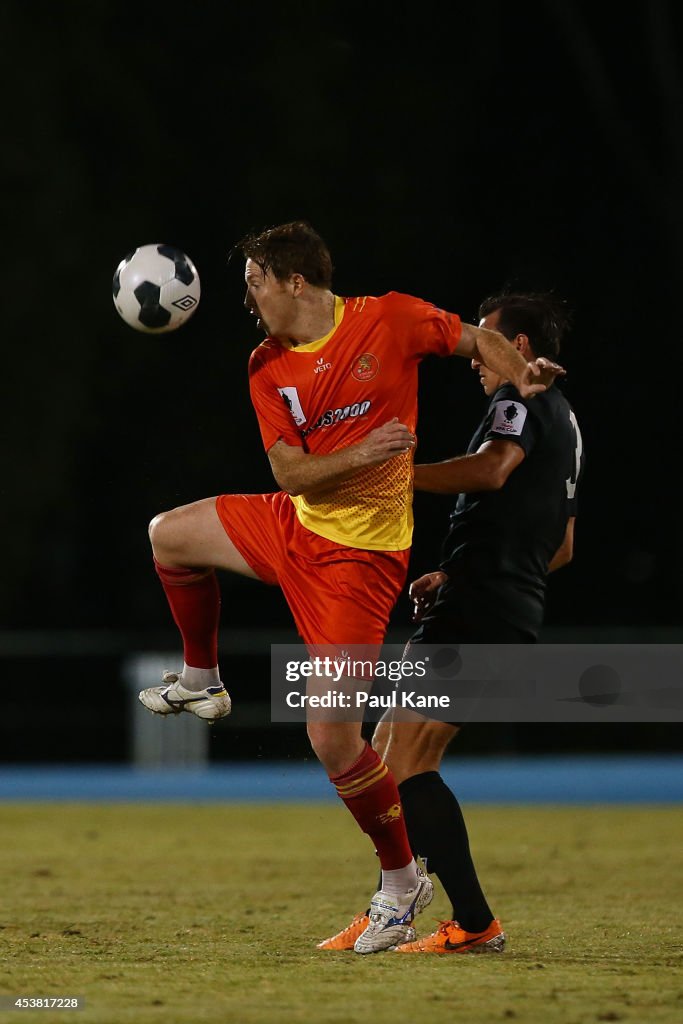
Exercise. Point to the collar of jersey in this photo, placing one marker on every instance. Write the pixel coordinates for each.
(313, 346)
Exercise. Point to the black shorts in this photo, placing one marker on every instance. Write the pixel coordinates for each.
(454, 621)
(461, 618)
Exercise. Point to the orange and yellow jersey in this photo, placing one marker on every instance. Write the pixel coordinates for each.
(329, 394)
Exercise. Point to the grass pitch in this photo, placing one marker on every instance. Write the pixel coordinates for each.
(180, 914)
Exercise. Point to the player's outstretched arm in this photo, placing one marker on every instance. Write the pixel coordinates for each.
(496, 352)
(485, 470)
(299, 472)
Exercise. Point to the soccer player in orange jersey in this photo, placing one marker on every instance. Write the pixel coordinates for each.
(334, 386)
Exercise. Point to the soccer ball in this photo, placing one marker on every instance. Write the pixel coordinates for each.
(156, 288)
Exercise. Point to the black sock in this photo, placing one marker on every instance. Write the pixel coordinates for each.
(437, 833)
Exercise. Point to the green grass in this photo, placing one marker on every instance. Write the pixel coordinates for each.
(179, 914)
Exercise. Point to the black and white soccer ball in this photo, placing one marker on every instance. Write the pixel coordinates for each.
(156, 288)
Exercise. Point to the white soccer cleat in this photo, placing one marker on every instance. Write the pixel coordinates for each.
(172, 698)
(391, 917)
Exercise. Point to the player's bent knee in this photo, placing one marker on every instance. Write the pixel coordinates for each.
(164, 536)
(154, 528)
(323, 740)
(157, 529)
(335, 745)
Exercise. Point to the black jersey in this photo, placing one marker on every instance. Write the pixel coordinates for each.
(497, 550)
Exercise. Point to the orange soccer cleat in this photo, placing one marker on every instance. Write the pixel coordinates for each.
(346, 938)
(451, 938)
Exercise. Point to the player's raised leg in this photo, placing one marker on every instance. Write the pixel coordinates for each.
(367, 787)
(189, 543)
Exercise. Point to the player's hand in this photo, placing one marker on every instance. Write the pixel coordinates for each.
(423, 593)
(385, 442)
(538, 376)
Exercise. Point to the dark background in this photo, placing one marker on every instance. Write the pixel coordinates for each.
(441, 150)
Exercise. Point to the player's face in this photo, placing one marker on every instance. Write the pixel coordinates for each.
(490, 381)
(268, 299)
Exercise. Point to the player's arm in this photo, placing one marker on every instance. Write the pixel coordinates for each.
(496, 352)
(487, 469)
(300, 472)
(565, 552)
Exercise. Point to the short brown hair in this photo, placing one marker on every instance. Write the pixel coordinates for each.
(288, 249)
(542, 316)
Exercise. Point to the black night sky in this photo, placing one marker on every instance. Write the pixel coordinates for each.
(441, 150)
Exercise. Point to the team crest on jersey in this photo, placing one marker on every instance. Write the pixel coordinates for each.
(365, 367)
(508, 417)
(290, 396)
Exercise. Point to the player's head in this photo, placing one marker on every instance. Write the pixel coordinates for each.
(281, 262)
(540, 317)
(289, 249)
(534, 322)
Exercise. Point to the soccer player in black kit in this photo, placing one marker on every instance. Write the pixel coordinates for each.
(513, 523)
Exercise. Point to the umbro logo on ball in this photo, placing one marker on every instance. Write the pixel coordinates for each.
(187, 302)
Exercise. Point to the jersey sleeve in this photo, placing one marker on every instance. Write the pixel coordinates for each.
(275, 410)
(509, 419)
(422, 327)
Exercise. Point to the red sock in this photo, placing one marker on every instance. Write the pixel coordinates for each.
(195, 601)
(369, 791)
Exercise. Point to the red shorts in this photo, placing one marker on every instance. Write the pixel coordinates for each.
(337, 595)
